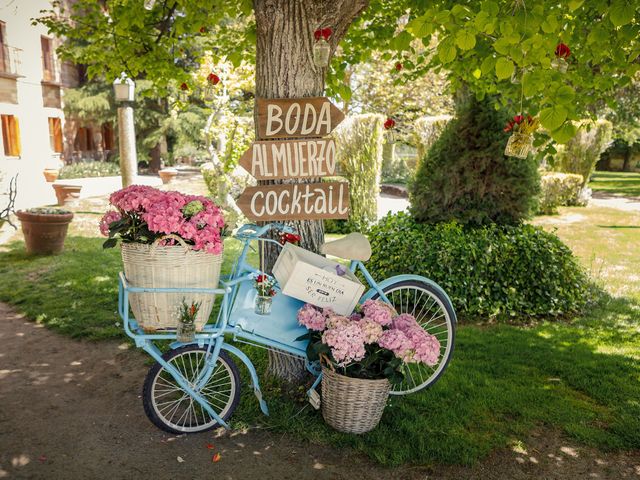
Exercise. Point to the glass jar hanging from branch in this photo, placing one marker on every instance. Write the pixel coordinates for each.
(389, 125)
(183, 95)
(321, 48)
(209, 91)
(521, 140)
(562, 54)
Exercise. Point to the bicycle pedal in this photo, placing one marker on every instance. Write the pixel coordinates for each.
(314, 399)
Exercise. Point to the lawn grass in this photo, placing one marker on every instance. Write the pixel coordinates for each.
(616, 183)
(582, 377)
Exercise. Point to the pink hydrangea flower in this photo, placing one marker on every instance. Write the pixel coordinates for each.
(310, 317)
(335, 321)
(405, 322)
(396, 341)
(346, 342)
(377, 311)
(370, 329)
(108, 219)
(194, 218)
(426, 347)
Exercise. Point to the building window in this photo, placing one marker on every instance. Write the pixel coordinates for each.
(4, 51)
(10, 135)
(48, 64)
(55, 134)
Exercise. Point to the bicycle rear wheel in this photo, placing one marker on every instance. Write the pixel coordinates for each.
(435, 314)
(172, 409)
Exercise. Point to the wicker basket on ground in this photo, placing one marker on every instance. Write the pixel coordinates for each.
(352, 405)
(169, 266)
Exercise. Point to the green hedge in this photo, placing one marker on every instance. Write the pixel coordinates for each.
(89, 169)
(489, 271)
(559, 189)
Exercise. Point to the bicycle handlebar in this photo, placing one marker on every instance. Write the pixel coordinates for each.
(251, 230)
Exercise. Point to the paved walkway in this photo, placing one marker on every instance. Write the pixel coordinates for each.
(602, 199)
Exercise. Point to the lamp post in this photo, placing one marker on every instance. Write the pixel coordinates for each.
(124, 89)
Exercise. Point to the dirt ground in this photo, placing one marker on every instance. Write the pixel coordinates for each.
(71, 410)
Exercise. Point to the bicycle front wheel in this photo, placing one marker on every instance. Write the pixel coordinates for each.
(172, 409)
(434, 312)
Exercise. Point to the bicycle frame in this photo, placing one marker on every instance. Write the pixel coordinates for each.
(234, 321)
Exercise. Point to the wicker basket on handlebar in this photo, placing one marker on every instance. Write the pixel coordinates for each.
(169, 266)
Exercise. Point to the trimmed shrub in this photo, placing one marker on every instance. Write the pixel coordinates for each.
(490, 271)
(89, 169)
(580, 154)
(359, 152)
(466, 177)
(427, 130)
(559, 189)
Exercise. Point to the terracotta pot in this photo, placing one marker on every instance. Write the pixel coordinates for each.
(44, 233)
(51, 174)
(67, 194)
(167, 174)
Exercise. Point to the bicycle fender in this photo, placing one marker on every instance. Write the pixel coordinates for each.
(401, 278)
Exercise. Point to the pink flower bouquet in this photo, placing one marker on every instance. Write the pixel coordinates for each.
(143, 214)
(373, 343)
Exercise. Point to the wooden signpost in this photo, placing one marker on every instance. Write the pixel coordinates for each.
(296, 201)
(273, 160)
(296, 117)
(306, 155)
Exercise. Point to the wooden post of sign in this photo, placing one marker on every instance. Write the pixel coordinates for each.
(284, 69)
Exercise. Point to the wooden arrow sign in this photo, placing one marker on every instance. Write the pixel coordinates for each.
(296, 201)
(296, 117)
(273, 160)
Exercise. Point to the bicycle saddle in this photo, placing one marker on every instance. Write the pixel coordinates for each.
(354, 246)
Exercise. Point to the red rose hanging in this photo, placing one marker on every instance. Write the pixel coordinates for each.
(184, 87)
(213, 79)
(203, 30)
(389, 123)
(321, 49)
(563, 51)
(289, 238)
(398, 66)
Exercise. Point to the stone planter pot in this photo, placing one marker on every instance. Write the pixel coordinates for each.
(167, 174)
(44, 233)
(51, 174)
(67, 194)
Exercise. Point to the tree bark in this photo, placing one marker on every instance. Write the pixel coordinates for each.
(626, 165)
(285, 69)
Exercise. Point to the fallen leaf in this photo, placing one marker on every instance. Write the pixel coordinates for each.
(180, 460)
(42, 458)
(210, 447)
(215, 458)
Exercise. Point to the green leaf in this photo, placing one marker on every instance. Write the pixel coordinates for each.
(110, 243)
(504, 68)
(487, 64)
(465, 39)
(565, 133)
(419, 27)
(477, 73)
(447, 52)
(575, 4)
(564, 95)
(551, 118)
(621, 12)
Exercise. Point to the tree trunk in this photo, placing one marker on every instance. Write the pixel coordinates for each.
(285, 69)
(155, 163)
(626, 166)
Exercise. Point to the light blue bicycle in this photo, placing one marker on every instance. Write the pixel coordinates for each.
(196, 387)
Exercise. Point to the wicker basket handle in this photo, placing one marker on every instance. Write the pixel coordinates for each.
(170, 236)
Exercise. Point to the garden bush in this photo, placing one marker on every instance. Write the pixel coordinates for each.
(559, 189)
(359, 153)
(489, 271)
(427, 130)
(466, 177)
(89, 169)
(580, 154)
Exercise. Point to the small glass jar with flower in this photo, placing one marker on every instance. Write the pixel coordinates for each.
(266, 289)
(562, 53)
(186, 331)
(520, 142)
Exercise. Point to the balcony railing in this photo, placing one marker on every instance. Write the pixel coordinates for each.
(10, 60)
